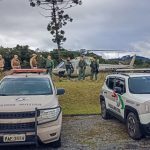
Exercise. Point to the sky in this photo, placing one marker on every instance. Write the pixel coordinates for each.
(98, 24)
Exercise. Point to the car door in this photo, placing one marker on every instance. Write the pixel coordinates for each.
(118, 95)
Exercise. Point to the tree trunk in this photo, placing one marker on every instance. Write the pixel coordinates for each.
(57, 35)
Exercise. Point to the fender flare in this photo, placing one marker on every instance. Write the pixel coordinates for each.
(130, 109)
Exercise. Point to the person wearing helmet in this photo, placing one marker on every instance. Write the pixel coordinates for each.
(15, 62)
(33, 61)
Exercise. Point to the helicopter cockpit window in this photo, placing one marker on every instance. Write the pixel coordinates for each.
(61, 65)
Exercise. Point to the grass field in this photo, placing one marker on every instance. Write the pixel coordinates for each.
(81, 97)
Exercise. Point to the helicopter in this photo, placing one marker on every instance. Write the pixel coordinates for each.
(60, 68)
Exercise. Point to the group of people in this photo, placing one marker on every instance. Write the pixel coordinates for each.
(82, 65)
(49, 65)
(16, 64)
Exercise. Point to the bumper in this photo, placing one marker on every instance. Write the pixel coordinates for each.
(50, 132)
(145, 128)
(45, 133)
(144, 118)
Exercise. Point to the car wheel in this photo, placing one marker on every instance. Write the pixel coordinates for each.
(133, 126)
(104, 112)
(56, 144)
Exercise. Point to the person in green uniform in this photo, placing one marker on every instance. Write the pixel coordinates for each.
(94, 68)
(69, 68)
(41, 62)
(82, 67)
(49, 64)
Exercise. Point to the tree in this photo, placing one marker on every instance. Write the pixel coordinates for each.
(59, 18)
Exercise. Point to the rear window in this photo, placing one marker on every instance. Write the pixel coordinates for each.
(25, 86)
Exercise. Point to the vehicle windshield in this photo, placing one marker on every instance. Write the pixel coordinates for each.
(139, 85)
(25, 86)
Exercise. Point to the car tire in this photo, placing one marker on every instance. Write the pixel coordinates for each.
(133, 126)
(56, 144)
(104, 112)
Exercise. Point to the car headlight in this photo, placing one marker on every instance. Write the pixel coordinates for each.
(48, 115)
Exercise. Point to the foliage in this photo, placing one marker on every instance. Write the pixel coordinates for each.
(25, 54)
(59, 18)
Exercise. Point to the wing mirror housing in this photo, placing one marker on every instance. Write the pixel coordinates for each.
(60, 91)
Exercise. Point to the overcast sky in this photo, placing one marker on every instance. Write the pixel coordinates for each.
(98, 24)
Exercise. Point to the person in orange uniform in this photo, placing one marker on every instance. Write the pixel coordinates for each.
(15, 62)
(2, 63)
(33, 61)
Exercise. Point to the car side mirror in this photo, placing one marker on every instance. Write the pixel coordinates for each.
(60, 91)
(118, 90)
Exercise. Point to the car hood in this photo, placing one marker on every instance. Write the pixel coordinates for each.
(27, 103)
(141, 98)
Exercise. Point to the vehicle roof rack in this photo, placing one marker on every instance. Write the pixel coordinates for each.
(16, 71)
(137, 70)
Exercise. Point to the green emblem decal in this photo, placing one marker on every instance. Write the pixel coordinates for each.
(121, 101)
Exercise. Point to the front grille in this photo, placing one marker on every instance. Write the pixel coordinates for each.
(18, 115)
(19, 126)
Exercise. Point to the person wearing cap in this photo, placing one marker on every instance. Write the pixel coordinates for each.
(82, 67)
(15, 62)
(94, 68)
(33, 61)
(2, 63)
(49, 64)
(69, 68)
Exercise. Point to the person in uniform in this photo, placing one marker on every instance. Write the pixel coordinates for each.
(82, 67)
(94, 68)
(49, 64)
(15, 62)
(33, 61)
(2, 63)
(69, 68)
(41, 62)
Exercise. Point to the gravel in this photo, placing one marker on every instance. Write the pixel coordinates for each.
(93, 133)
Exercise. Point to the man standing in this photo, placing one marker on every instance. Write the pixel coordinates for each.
(49, 64)
(15, 62)
(41, 62)
(69, 68)
(94, 68)
(2, 63)
(82, 68)
(33, 61)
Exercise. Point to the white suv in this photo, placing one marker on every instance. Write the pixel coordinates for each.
(29, 109)
(127, 97)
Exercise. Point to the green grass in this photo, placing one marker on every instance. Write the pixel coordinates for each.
(81, 97)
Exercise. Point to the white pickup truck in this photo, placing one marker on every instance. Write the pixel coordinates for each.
(29, 109)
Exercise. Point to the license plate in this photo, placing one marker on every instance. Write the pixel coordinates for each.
(14, 138)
